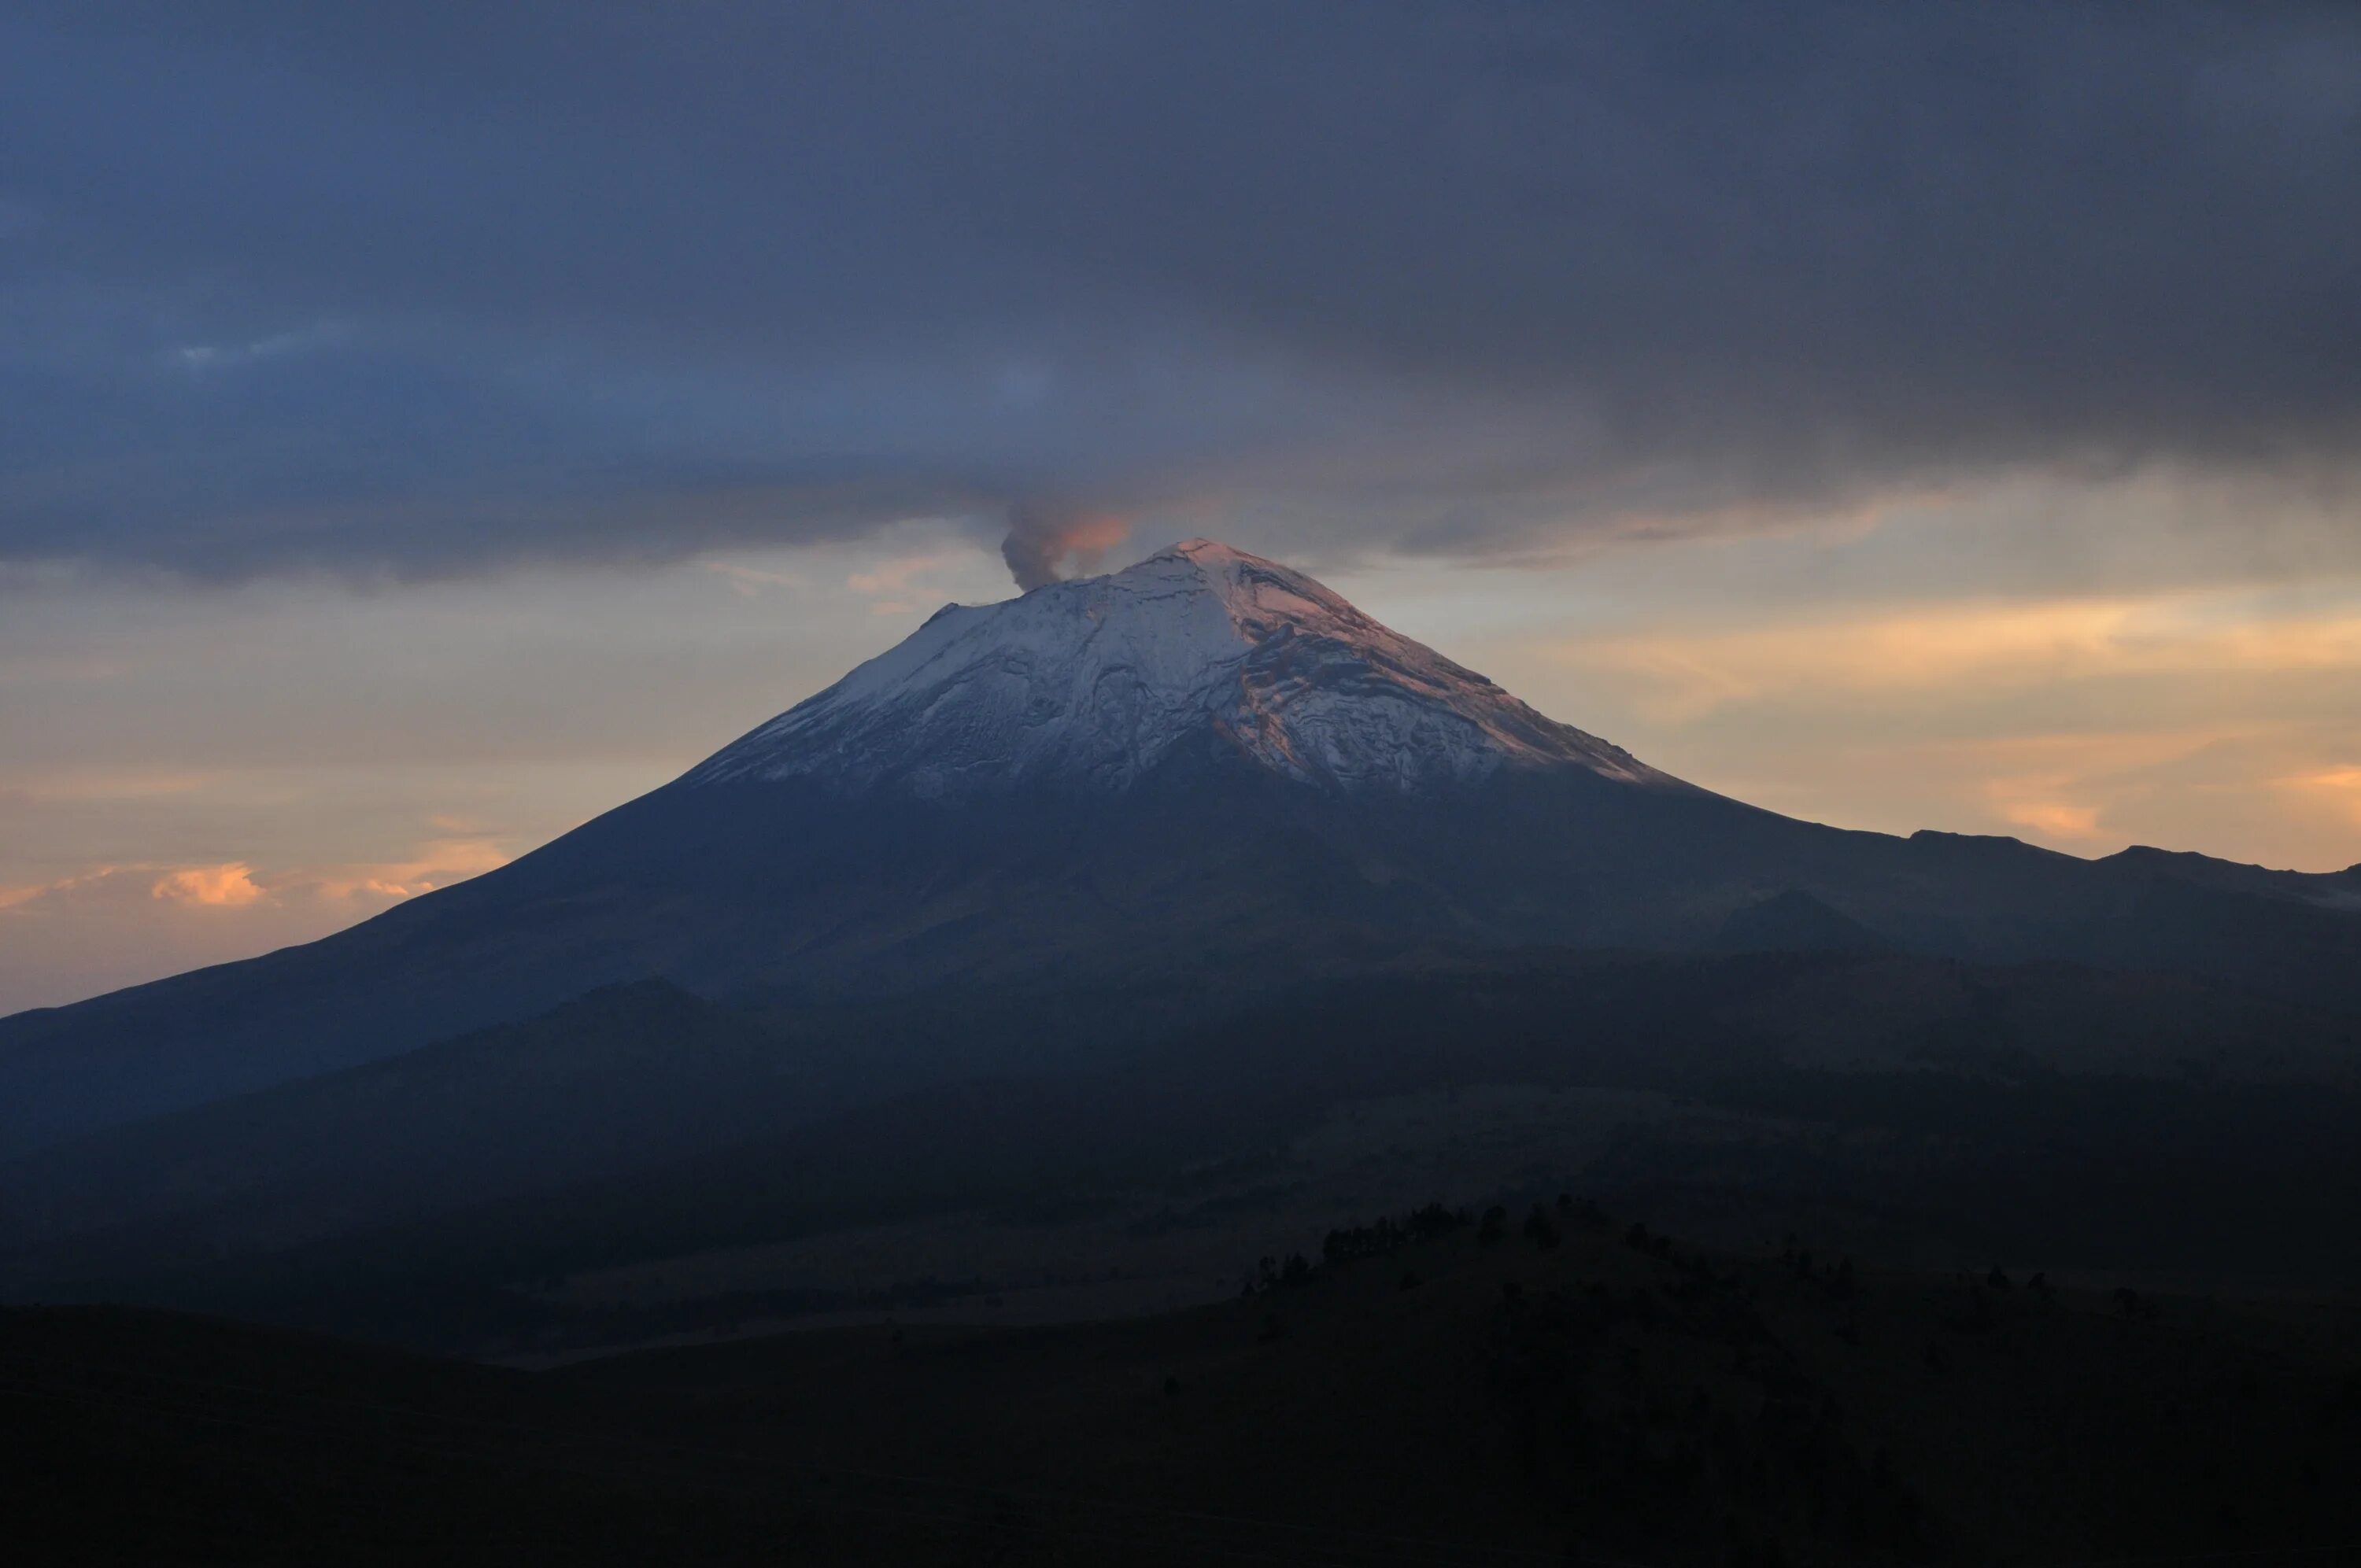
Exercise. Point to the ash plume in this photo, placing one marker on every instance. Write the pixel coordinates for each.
(1046, 544)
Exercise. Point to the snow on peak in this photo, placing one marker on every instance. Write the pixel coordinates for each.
(1202, 648)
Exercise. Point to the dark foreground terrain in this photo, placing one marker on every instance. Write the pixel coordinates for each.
(1541, 1385)
(645, 1163)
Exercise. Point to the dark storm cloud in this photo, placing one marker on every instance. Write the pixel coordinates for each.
(418, 287)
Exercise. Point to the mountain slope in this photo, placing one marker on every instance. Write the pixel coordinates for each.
(1199, 651)
(698, 1119)
(1206, 764)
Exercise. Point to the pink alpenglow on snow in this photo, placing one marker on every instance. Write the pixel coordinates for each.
(1095, 681)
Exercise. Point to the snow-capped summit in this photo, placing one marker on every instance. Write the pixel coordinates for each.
(1094, 682)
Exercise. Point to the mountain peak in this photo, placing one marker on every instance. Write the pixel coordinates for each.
(1213, 556)
(1195, 548)
(1201, 650)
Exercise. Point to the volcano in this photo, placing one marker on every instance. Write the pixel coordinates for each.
(1205, 764)
(1201, 654)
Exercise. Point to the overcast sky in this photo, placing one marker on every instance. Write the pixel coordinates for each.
(423, 425)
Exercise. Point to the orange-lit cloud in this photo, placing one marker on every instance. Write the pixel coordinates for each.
(2221, 719)
(117, 925)
(2339, 785)
(235, 884)
(2056, 818)
(26, 893)
(438, 863)
(227, 886)
(1690, 674)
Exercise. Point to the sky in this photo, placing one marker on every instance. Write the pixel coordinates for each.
(424, 425)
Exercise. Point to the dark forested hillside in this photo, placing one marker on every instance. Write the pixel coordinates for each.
(1924, 1111)
(1542, 1382)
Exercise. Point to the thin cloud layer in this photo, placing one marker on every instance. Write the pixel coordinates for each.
(2221, 719)
(119, 924)
(423, 289)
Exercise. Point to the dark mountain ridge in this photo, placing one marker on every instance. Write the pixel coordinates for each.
(1207, 763)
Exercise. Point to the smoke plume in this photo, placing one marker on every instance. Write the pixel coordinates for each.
(1047, 543)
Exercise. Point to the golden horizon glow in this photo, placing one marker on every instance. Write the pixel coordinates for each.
(281, 762)
(1692, 673)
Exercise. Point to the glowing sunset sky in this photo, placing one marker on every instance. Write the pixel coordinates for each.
(425, 426)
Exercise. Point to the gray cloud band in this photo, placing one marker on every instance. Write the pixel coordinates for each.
(422, 288)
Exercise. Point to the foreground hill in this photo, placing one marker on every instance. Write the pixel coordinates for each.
(642, 1161)
(1550, 1386)
(1206, 764)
